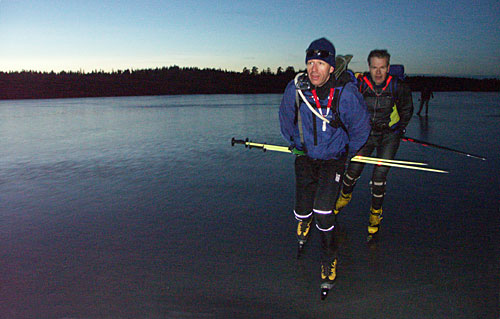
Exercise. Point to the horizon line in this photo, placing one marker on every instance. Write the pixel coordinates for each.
(82, 71)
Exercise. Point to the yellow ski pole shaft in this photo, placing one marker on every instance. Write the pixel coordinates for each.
(277, 148)
(362, 159)
(374, 162)
(269, 147)
(383, 160)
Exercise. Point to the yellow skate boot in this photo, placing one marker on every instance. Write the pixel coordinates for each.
(342, 202)
(328, 275)
(374, 222)
(303, 229)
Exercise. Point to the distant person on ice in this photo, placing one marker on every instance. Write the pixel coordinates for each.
(390, 104)
(325, 121)
(425, 95)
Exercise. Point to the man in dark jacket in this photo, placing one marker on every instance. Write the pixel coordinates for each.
(324, 121)
(391, 108)
(425, 95)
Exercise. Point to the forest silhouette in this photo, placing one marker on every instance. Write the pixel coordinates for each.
(175, 80)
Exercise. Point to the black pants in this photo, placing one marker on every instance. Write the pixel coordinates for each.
(317, 185)
(422, 102)
(386, 145)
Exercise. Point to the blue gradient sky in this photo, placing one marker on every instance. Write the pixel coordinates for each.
(428, 37)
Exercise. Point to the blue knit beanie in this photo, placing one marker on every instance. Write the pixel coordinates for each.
(322, 45)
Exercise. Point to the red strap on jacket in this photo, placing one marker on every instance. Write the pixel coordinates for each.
(370, 85)
(330, 98)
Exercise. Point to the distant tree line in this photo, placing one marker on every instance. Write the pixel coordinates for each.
(176, 80)
(444, 84)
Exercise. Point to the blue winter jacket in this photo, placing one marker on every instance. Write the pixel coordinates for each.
(331, 143)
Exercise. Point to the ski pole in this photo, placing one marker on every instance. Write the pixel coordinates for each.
(362, 159)
(388, 160)
(377, 162)
(285, 149)
(423, 143)
(265, 147)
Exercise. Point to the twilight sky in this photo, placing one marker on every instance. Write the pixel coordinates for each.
(454, 38)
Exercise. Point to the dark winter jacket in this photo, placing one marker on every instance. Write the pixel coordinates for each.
(380, 101)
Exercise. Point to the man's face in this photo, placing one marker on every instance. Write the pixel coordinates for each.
(318, 71)
(379, 68)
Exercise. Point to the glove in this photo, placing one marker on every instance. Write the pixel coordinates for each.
(295, 150)
(380, 127)
(298, 152)
(400, 131)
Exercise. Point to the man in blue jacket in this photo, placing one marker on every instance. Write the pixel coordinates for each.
(325, 121)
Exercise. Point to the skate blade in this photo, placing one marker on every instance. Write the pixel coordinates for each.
(324, 293)
(372, 238)
(300, 250)
(325, 289)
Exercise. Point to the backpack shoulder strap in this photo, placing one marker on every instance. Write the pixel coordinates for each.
(298, 119)
(362, 82)
(297, 106)
(336, 115)
(394, 89)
